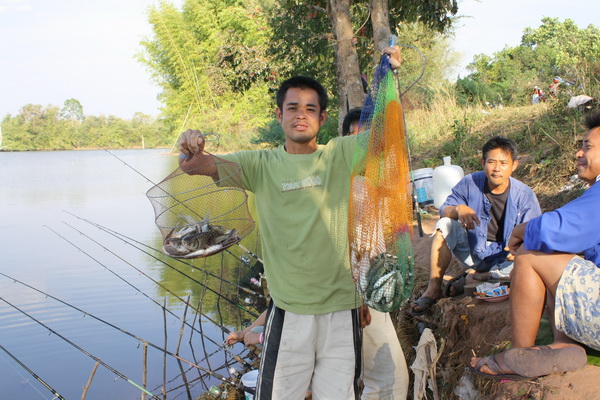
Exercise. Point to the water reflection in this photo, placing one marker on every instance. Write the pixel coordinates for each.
(107, 275)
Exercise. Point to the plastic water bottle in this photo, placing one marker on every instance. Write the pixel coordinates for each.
(444, 178)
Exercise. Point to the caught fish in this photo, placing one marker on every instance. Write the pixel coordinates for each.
(199, 240)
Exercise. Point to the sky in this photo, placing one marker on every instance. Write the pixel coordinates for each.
(85, 49)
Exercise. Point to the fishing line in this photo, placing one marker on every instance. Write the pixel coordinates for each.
(105, 365)
(226, 330)
(154, 184)
(128, 240)
(214, 374)
(236, 357)
(54, 392)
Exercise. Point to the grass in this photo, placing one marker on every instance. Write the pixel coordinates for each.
(547, 136)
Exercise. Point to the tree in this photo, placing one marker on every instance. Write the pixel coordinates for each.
(210, 59)
(553, 49)
(72, 110)
(347, 40)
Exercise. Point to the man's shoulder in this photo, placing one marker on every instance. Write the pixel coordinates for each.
(475, 178)
(521, 186)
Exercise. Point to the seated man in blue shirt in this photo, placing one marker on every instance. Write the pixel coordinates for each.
(548, 272)
(478, 218)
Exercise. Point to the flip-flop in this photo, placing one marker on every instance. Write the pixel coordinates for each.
(458, 283)
(531, 362)
(424, 303)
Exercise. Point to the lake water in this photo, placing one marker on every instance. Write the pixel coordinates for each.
(119, 279)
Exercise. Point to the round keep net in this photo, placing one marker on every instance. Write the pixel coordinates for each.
(380, 217)
(201, 208)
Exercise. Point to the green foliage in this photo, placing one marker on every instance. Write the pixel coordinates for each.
(302, 41)
(210, 59)
(270, 135)
(72, 110)
(45, 128)
(553, 49)
(437, 60)
(434, 14)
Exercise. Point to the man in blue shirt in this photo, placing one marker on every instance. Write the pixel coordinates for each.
(548, 272)
(478, 218)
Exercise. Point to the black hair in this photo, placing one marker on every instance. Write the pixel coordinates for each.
(499, 142)
(352, 116)
(592, 120)
(302, 82)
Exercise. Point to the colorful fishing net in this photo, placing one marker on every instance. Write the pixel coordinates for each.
(380, 216)
(199, 215)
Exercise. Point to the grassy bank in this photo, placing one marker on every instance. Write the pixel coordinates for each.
(547, 136)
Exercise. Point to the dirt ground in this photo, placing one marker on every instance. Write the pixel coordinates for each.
(467, 326)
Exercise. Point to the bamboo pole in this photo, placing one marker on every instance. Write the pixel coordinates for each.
(164, 386)
(89, 382)
(145, 369)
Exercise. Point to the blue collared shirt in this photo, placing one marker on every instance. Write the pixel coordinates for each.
(521, 206)
(572, 228)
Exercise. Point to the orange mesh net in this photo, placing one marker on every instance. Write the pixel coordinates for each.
(380, 215)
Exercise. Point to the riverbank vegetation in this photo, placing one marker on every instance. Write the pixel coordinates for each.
(221, 75)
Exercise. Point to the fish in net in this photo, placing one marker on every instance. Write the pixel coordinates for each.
(380, 214)
(200, 215)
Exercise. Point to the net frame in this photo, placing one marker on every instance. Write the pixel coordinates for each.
(199, 213)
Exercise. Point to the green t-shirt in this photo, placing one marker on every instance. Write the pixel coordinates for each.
(302, 203)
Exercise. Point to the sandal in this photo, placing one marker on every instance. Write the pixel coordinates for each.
(458, 283)
(424, 303)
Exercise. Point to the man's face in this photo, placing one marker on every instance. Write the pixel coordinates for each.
(498, 167)
(301, 116)
(588, 157)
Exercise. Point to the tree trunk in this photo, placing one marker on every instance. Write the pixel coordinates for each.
(350, 89)
(381, 27)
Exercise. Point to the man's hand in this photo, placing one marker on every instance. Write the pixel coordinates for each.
(234, 337)
(191, 145)
(365, 316)
(466, 216)
(191, 142)
(516, 238)
(252, 338)
(395, 56)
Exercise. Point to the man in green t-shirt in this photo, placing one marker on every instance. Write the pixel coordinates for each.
(312, 334)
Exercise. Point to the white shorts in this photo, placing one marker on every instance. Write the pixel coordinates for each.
(321, 351)
(385, 374)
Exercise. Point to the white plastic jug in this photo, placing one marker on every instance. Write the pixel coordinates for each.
(444, 178)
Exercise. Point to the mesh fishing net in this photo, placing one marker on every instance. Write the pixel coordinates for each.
(380, 215)
(197, 215)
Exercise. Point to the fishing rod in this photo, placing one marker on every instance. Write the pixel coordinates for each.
(150, 181)
(54, 392)
(211, 373)
(223, 328)
(105, 365)
(118, 235)
(235, 356)
(130, 239)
